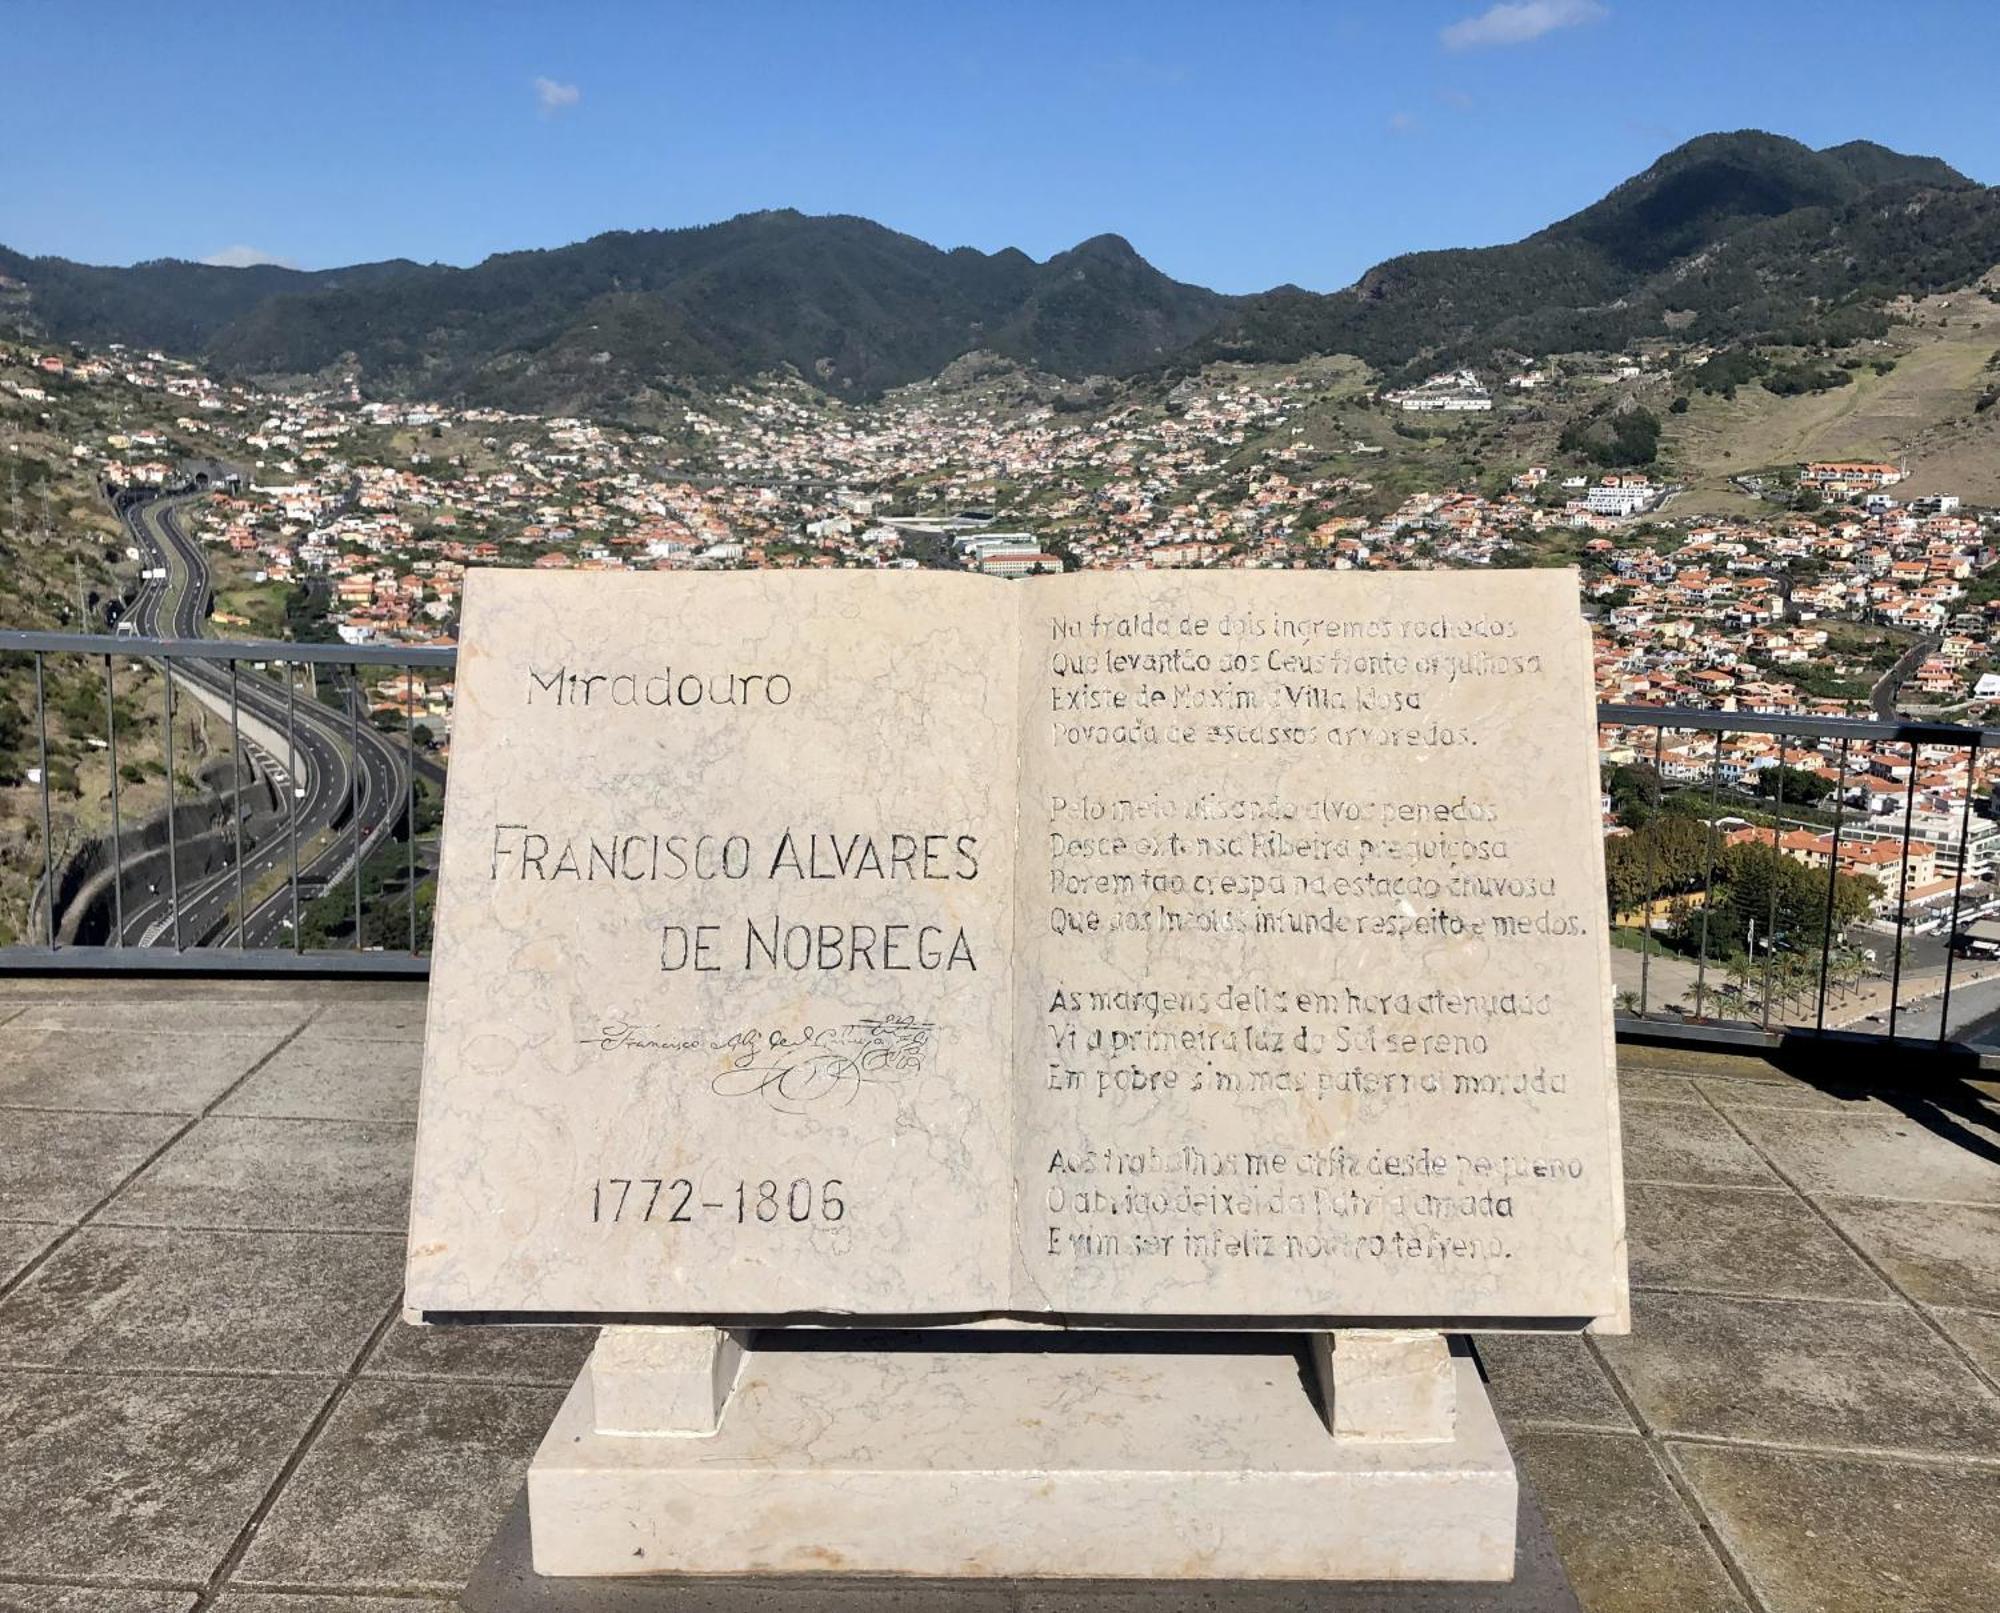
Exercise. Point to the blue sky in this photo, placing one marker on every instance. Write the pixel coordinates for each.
(1238, 145)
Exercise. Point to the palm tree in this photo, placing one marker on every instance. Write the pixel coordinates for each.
(1797, 982)
(1738, 969)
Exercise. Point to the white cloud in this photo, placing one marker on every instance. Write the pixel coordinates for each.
(1402, 123)
(553, 96)
(1518, 21)
(243, 257)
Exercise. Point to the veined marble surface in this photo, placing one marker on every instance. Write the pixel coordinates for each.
(1109, 946)
(954, 1462)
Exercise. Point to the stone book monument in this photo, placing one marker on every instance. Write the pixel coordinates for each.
(894, 1003)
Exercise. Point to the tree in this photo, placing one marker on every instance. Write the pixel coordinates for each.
(1625, 884)
(1782, 898)
(1629, 437)
(1740, 968)
(1634, 788)
(1793, 785)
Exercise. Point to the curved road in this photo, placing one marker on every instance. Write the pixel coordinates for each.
(325, 785)
(1883, 696)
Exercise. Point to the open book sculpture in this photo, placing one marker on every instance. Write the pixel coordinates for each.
(1142, 950)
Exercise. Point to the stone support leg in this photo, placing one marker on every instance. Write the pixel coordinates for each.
(668, 1382)
(1386, 1387)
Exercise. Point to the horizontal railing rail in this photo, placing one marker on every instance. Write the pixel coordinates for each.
(1700, 719)
(1802, 973)
(1696, 719)
(237, 650)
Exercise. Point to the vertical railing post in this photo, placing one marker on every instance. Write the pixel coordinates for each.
(1958, 882)
(410, 801)
(1903, 891)
(1777, 862)
(48, 837)
(1832, 884)
(117, 826)
(236, 801)
(354, 771)
(292, 796)
(1646, 904)
(1708, 873)
(173, 831)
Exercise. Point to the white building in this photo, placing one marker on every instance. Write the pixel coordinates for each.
(1453, 392)
(1621, 497)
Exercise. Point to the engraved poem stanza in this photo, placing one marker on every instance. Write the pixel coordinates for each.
(1313, 1015)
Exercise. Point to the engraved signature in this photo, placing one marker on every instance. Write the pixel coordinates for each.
(795, 1070)
(618, 1034)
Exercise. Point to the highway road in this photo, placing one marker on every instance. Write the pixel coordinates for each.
(327, 789)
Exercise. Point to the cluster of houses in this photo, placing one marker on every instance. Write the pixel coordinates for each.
(1911, 817)
(1753, 614)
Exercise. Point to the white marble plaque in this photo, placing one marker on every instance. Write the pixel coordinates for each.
(1109, 947)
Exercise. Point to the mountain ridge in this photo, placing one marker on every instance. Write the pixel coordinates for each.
(1728, 236)
(1738, 235)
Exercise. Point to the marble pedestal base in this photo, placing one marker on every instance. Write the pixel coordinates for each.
(1007, 1457)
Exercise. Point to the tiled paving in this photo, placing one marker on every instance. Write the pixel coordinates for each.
(1805, 1417)
(207, 1398)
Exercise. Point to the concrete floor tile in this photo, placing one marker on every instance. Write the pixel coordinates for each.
(1790, 1092)
(534, 1355)
(397, 1017)
(1840, 1534)
(78, 1599)
(319, 1077)
(1948, 1259)
(1735, 1240)
(1628, 1541)
(1697, 1061)
(131, 1298)
(404, 1487)
(56, 1166)
(20, 1242)
(1548, 1378)
(112, 1070)
(181, 1012)
(230, 1171)
(1977, 1333)
(139, 1478)
(1872, 1157)
(1681, 1142)
(1657, 1086)
(1801, 1372)
(256, 1602)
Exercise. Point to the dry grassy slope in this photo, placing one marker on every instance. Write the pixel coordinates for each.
(1921, 412)
(1446, 452)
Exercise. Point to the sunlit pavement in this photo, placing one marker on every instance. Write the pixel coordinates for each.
(207, 1397)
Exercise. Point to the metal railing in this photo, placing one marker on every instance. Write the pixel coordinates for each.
(317, 806)
(228, 874)
(1820, 982)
